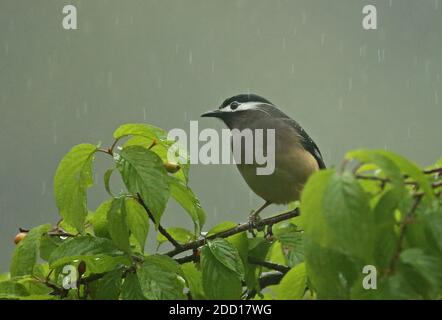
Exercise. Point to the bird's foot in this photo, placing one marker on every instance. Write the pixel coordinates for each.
(254, 220)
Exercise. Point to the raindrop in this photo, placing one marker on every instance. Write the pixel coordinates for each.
(322, 39)
(293, 68)
(390, 3)
(85, 108)
(77, 113)
(145, 114)
(159, 83)
(213, 66)
(54, 133)
(436, 4)
(350, 84)
(295, 31)
(436, 97)
(304, 17)
(43, 188)
(381, 55)
(190, 57)
(341, 104)
(427, 67)
(409, 132)
(6, 48)
(363, 51)
(250, 198)
(177, 48)
(283, 43)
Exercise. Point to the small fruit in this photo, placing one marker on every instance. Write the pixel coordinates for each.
(19, 237)
(172, 167)
(82, 267)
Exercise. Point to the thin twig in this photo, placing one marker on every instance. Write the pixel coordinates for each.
(403, 227)
(162, 230)
(269, 265)
(230, 232)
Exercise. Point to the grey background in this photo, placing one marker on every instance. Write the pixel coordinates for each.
(165, 62)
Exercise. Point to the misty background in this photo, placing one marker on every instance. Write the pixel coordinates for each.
(165, 62)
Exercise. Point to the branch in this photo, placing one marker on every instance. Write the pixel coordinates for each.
(160, 227)
(405, 222)
(238, 229)
(269, 265)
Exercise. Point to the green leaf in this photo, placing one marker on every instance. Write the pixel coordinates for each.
(194, 279)
(382, 161)
(386, 238)
(428, 266)
(47, 245)
(158, 282)
(312, 217)
(143, 172)
(106, 178)
(405, 166)
(162, 149)
(330, 272)
(117, 225)
(189, 202)
(72, 179)
(108, 287)
(165, 262)
(12, 289)
(219, 282)
(85, 245)
(348, 214)
(99, 219)
(27, 251)
(140, 129)
(181, 235)
(131, 289)
(137, 221)
(97, 263)
(293, 284)
(228, 255)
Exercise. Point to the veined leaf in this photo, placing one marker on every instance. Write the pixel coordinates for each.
(72, 179)
(347, 212)
(194, 279)
(131, 289)
(219, 282)
(228, 255)
(143, 173)
(186, 198)
(108, 287)
(27, 251)
(85, 245)
(137, 221)
(158, 281)
(293, 284)
(117, 226)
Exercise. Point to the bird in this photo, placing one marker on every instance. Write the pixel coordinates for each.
(296, 157)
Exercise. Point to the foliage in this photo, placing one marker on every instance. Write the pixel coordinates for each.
(378, 209)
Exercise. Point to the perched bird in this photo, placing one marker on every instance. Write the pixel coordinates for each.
(296, 154)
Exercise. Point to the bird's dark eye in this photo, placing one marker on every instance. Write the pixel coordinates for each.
(234, 105)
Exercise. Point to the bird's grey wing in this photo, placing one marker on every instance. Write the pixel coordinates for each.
(306, 141)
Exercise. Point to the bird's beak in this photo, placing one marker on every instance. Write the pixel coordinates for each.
(212, 114)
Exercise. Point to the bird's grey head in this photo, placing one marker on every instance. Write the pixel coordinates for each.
(241, 108)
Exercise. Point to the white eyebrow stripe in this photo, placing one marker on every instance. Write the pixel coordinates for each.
(244, 106)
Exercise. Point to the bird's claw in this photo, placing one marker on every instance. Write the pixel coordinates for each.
(253, 224)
